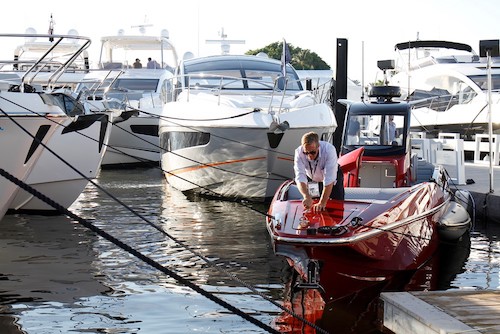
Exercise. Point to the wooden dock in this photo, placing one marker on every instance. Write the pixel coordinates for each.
(451, 311)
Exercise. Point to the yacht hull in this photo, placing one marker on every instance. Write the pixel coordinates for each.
(133, 142)
(234, 160)
(24, 154)
(66, 185)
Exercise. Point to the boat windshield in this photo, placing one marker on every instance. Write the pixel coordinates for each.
(444, 92)
(373, 131)
(240, 75)
(131, 89)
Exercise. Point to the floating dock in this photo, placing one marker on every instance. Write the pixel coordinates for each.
(452, 311)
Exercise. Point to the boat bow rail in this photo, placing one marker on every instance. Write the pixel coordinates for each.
(30, 71)
(274, 96)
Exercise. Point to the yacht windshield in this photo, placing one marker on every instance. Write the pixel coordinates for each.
(482, 81)
(240, 74)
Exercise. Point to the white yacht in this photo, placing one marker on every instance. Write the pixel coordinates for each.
(140, 91)
(234, 123)
(71, 155)
(16, 125)
(447, 83)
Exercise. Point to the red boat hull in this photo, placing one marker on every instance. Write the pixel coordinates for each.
(357, 241)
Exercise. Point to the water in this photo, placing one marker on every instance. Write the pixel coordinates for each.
(56, 276)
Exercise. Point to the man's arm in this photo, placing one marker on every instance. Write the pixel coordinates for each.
(325, 195)
(307, 201)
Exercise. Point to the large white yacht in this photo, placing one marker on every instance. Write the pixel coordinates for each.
(234, 123)
(140, 91)
(63, 143)
(447, 83)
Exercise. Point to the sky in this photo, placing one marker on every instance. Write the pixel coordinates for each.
(371, 28)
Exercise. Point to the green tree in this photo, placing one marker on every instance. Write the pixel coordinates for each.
(302, 59)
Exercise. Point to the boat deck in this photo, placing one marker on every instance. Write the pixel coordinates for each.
(452, 311)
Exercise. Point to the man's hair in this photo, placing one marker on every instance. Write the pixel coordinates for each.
(309, 138)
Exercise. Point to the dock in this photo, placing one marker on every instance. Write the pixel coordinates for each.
(472, 175)
(452, 311)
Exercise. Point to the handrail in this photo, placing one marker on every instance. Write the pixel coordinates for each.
(44, 59)
(265, 86)
(57, 74)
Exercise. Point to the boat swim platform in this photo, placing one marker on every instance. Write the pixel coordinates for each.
(440, 312)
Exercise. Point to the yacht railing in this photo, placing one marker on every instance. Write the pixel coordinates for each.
(219, 85)
(322, 92)
(29, 75)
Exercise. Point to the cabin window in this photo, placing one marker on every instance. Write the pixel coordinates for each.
(171, 141)
(481, 81)
(145, 85)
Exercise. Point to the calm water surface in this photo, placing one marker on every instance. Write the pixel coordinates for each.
(58, 277)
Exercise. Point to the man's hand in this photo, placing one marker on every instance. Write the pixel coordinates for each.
(307, 202)
(319, 207)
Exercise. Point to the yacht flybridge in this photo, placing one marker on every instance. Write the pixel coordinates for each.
(446, 83)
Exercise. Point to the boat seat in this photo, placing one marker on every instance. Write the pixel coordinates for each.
(372, 194)
(293, 193)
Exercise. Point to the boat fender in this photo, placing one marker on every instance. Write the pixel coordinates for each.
(465, 198)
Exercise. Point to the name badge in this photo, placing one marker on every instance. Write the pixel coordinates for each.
(313, 188)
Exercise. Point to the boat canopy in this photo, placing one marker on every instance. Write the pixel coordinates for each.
(433, 44)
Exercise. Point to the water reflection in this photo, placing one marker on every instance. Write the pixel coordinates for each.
(44, 259)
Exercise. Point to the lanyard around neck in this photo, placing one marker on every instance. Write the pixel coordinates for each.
(315, 165)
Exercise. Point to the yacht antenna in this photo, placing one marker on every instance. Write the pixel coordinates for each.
(409, 72)
(362, 70)
(142, 27)
(51, 28)
(225, 44)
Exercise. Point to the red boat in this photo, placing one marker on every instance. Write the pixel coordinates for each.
(369, 236)
(385, 225)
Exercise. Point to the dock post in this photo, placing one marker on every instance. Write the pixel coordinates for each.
(340, 91)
